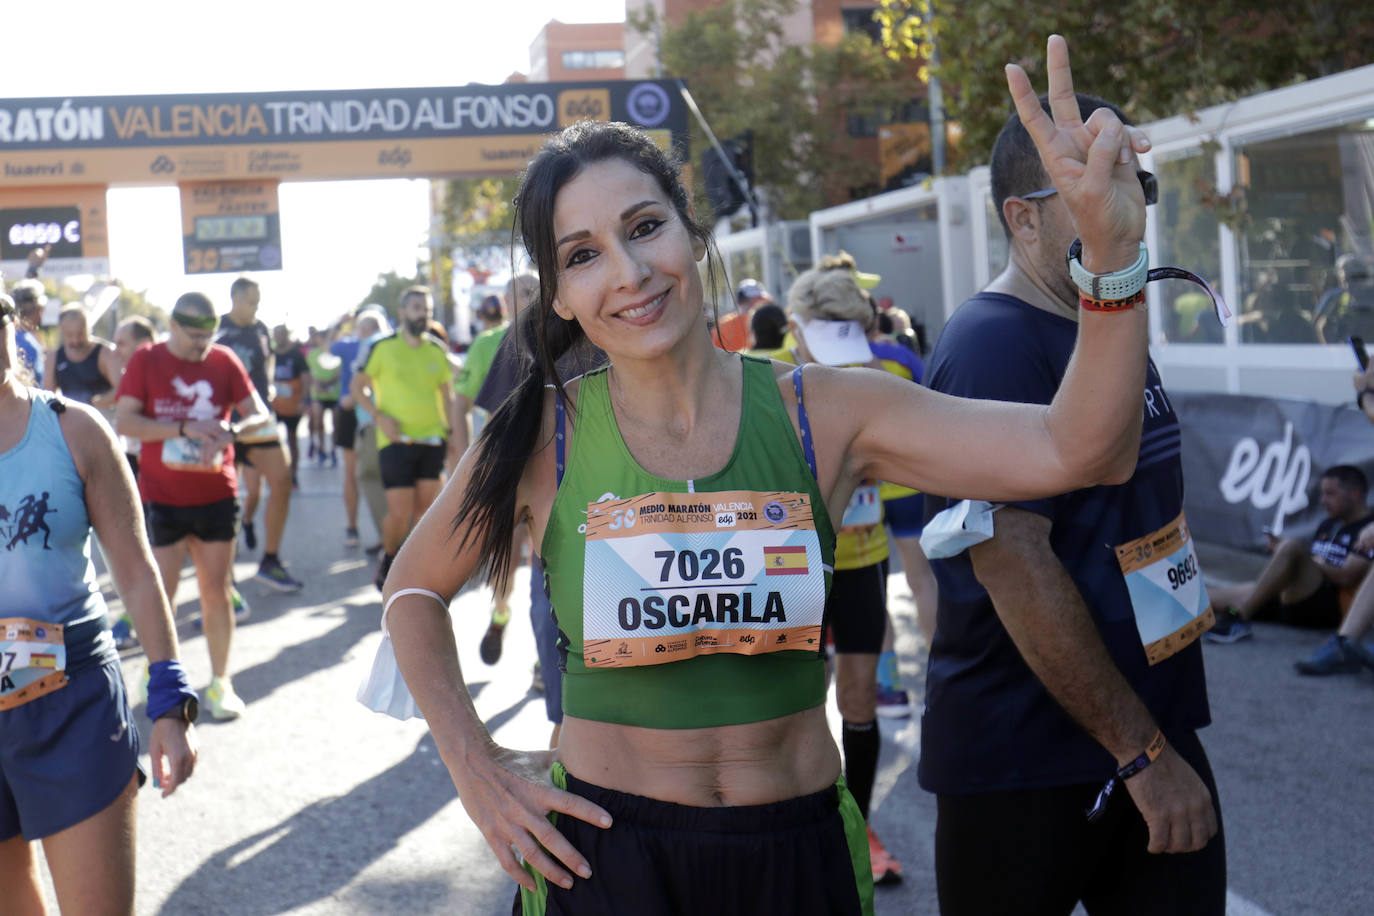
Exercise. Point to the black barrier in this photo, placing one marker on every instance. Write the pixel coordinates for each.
(1251, 463)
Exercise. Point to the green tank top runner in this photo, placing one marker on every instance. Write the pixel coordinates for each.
(689, 604)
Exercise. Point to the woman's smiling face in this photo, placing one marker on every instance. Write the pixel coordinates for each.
(627, 265)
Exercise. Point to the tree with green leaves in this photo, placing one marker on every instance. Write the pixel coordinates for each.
(475, 219)
(386, 292)
(1154, 59)
(795, 99)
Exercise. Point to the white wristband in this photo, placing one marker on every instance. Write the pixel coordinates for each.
(409, 591)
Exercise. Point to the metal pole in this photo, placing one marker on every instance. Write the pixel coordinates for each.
(735, 176)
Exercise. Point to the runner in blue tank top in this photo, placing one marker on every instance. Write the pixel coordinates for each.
(69, 747)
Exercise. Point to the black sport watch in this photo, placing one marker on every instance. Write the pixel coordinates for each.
(188, 710)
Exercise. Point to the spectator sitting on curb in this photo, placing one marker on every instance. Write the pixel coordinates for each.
(1343, 653)
(1301, 585)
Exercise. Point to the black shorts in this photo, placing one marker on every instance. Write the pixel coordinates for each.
(805, 856)
(292, 424)
(403, 463)
(217, 521)
(243, 451)
(327, 403)
(1033, 852)
(856, 609)
(345, 427)
(1320, 610)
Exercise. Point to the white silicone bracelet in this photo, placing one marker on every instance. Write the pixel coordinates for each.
(409, 591)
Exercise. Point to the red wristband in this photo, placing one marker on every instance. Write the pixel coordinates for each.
(1111, 305)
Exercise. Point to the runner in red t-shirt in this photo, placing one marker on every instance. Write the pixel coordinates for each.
(176, 397)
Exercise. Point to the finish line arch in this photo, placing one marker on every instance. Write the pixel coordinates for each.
(228, 152)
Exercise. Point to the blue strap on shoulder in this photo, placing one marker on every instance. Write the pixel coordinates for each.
(804, 422)
(559, 426)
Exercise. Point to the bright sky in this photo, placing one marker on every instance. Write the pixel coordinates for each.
(336, 236)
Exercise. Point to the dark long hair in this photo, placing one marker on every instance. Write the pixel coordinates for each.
(542, 338)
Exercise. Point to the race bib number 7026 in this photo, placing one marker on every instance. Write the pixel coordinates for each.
(671, 576)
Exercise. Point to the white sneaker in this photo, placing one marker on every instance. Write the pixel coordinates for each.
(221, 700)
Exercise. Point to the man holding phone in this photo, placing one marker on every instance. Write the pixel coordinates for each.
(1301, 584)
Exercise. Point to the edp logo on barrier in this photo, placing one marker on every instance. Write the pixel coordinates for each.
(1273, 477)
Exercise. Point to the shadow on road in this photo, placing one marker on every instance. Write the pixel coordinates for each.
(293, 864)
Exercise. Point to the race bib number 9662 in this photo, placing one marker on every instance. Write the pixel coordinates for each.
(675, 575)
(1167, 595)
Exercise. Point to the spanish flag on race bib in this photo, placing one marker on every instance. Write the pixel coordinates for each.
(784, 561)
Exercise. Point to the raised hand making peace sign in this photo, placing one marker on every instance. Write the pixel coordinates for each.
(1090, 163)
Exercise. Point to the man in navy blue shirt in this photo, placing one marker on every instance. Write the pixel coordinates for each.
(1066, 646)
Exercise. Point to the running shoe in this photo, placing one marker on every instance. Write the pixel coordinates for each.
(221, 700)
(250, 536)
(383, 570)
(273, 572)
(1229, 627)
(351, 538)
(123, 632)
(242, 610)
(886, 869)
(373, 549)
(490, 650)
(1337, 655)
(893, 704)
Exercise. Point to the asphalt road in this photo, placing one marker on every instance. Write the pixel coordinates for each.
(312, 804)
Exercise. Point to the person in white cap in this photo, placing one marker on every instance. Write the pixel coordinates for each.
(829, 318)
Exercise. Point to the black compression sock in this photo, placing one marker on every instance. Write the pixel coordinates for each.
(270, 558)
(861, 742)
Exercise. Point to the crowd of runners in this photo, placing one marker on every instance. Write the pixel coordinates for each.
(708, 505)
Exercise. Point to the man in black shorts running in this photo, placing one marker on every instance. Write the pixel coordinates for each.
(406, 386)
(258, 448)
(176, 398)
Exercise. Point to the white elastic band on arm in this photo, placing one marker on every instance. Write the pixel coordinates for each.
(409, 591)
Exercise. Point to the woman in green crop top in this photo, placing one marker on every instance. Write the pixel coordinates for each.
(686, 779)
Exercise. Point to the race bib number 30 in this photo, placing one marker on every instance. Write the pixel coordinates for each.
(1165, 583)
(33, 660)
(671, 576)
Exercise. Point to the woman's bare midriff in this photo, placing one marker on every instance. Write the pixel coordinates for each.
(753, 764)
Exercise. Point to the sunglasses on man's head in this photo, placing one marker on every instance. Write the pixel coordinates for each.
(1148, 184)
(196, 322)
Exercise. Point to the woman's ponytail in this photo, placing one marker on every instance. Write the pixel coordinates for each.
(509, 438)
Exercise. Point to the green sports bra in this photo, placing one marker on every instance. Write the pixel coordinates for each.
(689, 603)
